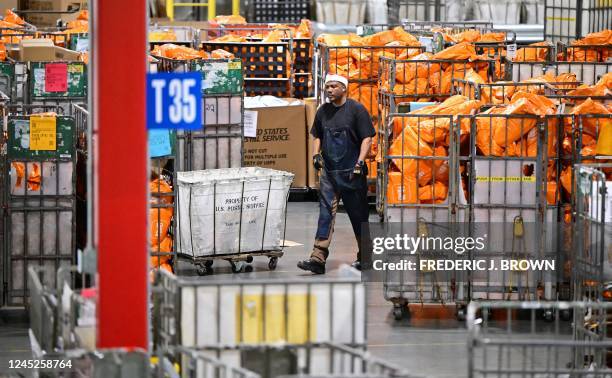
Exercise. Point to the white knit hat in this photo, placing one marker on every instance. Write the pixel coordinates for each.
(340, 79)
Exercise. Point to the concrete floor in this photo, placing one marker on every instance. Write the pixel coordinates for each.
(435, 348)
(428, 348)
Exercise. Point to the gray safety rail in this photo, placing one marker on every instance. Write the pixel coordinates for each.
(457, 26)
(568, 20)
(39, 205)
(273, 311)
(584, 53)
(193, 363)
(409, 152)
(99, 363)
(56, 312)
(327, 359)
(431, 33)
(586, 72)
(592, 232)
(507, 339)
(185, 35)
(501, 92)
(509, 205)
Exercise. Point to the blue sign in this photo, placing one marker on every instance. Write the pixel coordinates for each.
(174, 101)
(159, 143)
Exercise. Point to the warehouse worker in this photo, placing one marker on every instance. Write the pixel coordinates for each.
(342, 132)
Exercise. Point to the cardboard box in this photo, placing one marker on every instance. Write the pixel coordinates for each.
(66, 55)
(42, 50)
(40, 19)
(36, 50)
(311, 111)
(281, 141)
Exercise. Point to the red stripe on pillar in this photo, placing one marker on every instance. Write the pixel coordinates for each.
(119, 38)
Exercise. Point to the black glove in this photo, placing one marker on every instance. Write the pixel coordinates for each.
(317, 161)
(358, 168)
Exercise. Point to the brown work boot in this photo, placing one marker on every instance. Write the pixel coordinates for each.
(312, 265)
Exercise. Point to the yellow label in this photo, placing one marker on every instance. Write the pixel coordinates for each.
(561, 18)
(75, 68)
(43, 133)
(505, 179)
(278, 321)
(237, 65)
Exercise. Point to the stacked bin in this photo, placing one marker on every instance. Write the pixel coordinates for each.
(363, 81)
(593, 234)
(268, 66)
(269, 326)
(74, 93)
(40, 200)
(302, 55)
(509, 204)
(217, 145)
(567, 20)
(423, 210)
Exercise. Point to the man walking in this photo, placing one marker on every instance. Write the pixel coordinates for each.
(342, 132)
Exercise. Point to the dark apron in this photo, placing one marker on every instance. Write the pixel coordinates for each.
(340, 154)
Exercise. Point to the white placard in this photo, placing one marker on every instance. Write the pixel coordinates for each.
(250, 123)
(511, 51)
(82, 44)
(427, 43)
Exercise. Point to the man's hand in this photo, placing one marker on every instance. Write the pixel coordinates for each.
(317, 161)
(358, 168)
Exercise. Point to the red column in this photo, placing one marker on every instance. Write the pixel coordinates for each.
(118, 99)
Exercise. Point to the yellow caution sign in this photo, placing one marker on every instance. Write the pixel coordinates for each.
(43, 133)
(283, 318)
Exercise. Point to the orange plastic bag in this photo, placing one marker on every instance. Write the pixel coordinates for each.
(532, 53)
(34, 178)
(172, 51)
(551, 192)
(401, 189)
(367, 95)
(2, 52)
(231, 19)
(409, 144)
(435, 193)
(12, 17)
(460, 51)
(304, 30)
(471, 35)
(403, 36)
(590, 125)
(493, 37)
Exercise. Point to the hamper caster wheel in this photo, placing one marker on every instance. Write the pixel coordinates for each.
(203, 270)
(237, 266)
(460, 314)
(566, 315)
(272, 263)
(208, 263)
(548, 315)
(398, 314)
(249, 259)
